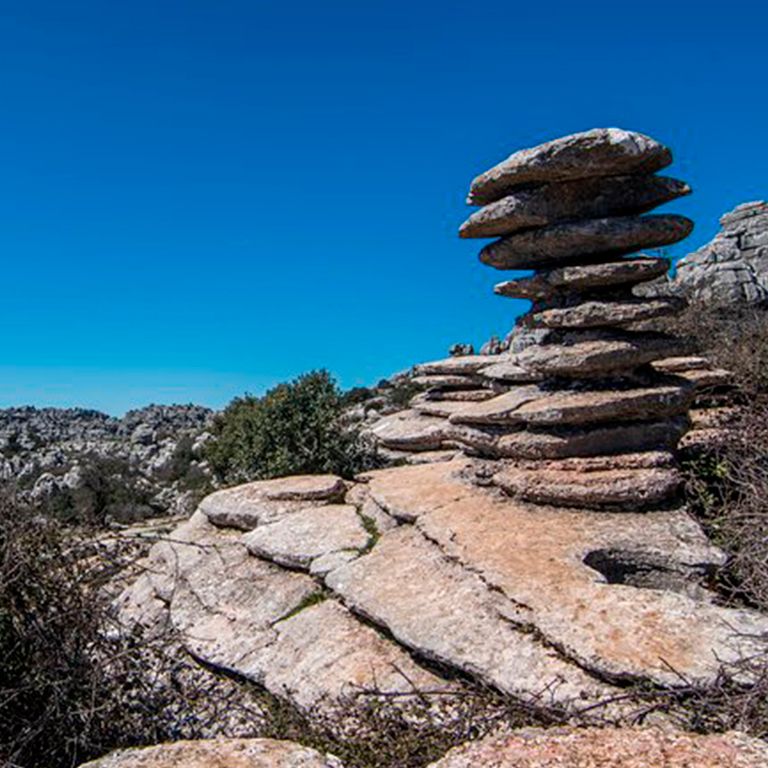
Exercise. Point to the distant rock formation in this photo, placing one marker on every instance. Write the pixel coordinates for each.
(63, 457)
(730, 270)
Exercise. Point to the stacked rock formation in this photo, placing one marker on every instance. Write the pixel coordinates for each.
(587, 418)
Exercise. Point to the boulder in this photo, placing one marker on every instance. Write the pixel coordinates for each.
(636, 747)
(218, 753)
(459, 365)
(593, 198)
(603, 276)
(584, 239)
(598, 152)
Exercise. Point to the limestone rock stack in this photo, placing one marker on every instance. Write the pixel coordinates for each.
(584, 416)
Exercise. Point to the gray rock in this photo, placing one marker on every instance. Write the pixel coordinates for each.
(595, 314)
(550, 246)
(567, 201)
(598, 152)
(730, 270)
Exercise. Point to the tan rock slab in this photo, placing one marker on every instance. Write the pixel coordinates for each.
(411, 431)
(591, 407)
(609, 748)
(509, 370)
(595, 441)
(594, 314)
(252, 504)
(645, 460)
(456, 365)
(448, 381)
(428, 406)
(274, 626)
(631, 488)
(218, 753)
(540, 248)
(598, 356)
(537, 556)
(310, 533)
(500, 409)
(569, 200)
(584, 277)
(447, 614)
(598, 152)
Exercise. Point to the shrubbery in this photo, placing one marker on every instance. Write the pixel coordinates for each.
(295, 428)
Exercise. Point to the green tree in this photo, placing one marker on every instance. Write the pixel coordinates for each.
(295, 428)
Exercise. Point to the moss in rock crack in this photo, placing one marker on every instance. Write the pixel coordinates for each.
(313, 598)
(369, 524)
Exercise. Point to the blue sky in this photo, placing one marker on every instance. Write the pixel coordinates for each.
(199, 199)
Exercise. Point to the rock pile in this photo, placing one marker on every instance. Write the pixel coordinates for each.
(585, 416)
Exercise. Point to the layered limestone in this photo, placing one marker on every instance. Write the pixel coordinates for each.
(554, 606)
(575, 210)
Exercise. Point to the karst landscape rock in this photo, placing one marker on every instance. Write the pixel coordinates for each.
(533, 536)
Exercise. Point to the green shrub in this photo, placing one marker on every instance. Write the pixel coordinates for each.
(296, 428)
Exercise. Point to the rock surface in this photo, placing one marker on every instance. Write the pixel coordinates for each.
(581, 199)
(608, 748)
(552, 245)
(732, 269)
(598, 152)
(218, 753)
(595, 314)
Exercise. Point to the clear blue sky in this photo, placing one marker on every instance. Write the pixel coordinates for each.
(203, 198)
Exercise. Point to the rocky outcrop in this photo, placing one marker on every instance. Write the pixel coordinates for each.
(218, 753)
(72, 459)
(730, 270)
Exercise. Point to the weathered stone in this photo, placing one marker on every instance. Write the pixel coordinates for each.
(609, 488)
(557, 567)
(609, 748)
(563, 443)
(594, 314)
(598, 152)
(508, 370)
(502, 409)
(302, 537)
(598, 355)
(448, 381)
(263, 501)
(453, 366)
(593, 198)
(273, 626)
(584, 277)
(407, 585)
(593, 407)
(682, 364)
(540, 248)
(438, 407)
(218, 753)
(459, 395)
(411, 431)
(646, 460)
(732, 269)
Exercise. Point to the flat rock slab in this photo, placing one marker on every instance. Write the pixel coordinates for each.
(595, 314)
(606, 488)
(263, 501)
(596, 441)
(407, 585)
(510, 371)
(585, 277)
(301, 538)
(448, 381)
(411, 431)
(535, 406)
(271, 625)
(598, 152)
(536, 556)
(609, 748)
(598, 356)
(423, 404)
(540, 248)
(451, 366)
(218, 753)
(569, 200)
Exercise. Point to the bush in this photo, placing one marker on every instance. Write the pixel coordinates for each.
(296, 428)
